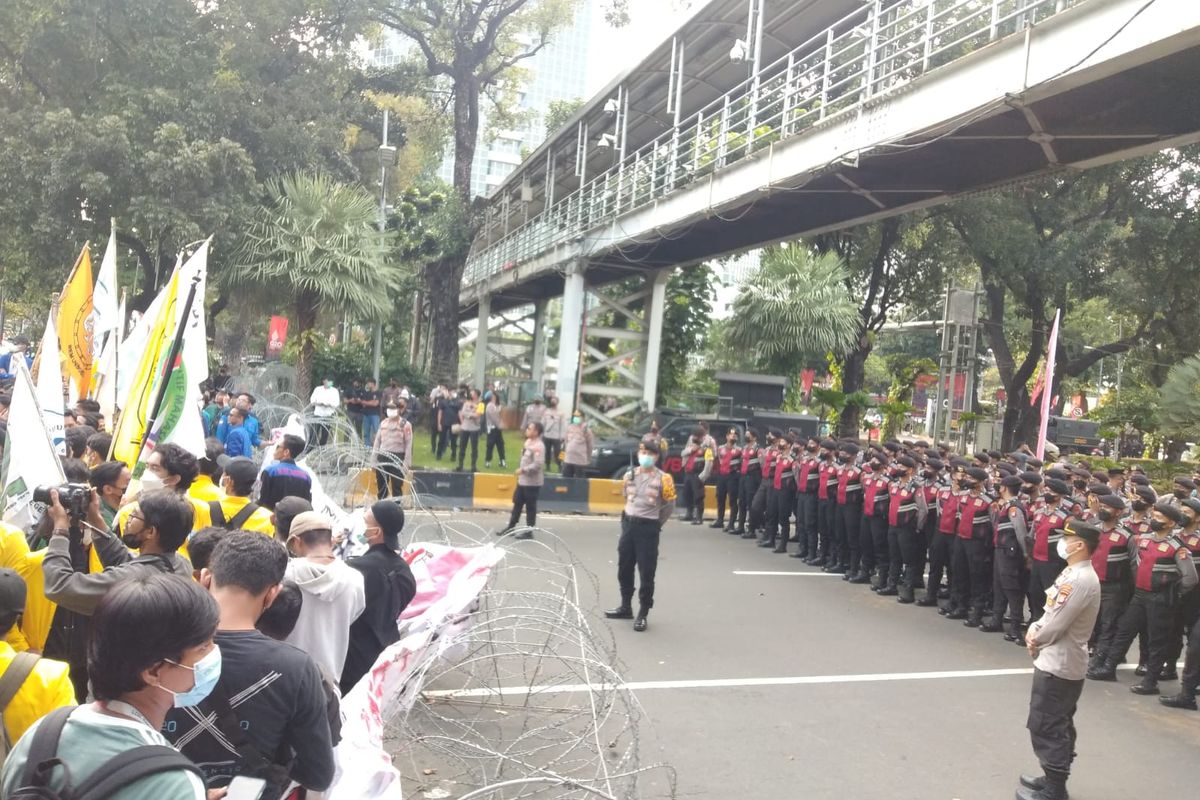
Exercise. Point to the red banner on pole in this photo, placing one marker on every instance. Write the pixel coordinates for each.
(276, 337)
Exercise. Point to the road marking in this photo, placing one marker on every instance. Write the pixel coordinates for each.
(806, 574)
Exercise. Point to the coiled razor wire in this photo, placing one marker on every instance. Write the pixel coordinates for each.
(528, 701)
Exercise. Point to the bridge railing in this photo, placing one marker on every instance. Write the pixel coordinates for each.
(870, 53)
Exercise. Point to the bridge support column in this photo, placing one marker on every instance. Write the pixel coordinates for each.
(654, 325)
(481, 342)
(569, 340)
(538, 357)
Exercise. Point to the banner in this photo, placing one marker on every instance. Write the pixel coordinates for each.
(49, 387)
(1048, 385)
(276, 338)
(29, 457)
(106, 314)
(75, 325)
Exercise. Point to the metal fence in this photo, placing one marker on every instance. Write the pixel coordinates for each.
(872, 52)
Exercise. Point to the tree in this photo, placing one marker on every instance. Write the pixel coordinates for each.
(687, 314)
(316, 242)
(1179, 408)
(795, 308)
(898, 263)
(560, 111)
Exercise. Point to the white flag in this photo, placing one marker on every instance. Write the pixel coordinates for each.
(105, 306)
(50, 386)
(104, 386)
(29, 458)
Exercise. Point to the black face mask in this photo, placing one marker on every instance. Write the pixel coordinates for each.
(969, 485)
(1106, 515)
(1050, 498)
(1182, 494)
(1140, 505)
(131, 541)
(1157, 525)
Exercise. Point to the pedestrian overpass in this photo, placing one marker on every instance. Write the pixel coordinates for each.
(763, 120)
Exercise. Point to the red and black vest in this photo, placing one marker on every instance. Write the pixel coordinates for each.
(974, 516)
(875, 495)
(1155, 569)
(783, 471)
(1048, 525)
(902, 503)
(806, 481)
(729, 459)
(849, 485)
(1111, 557)
(750, 458)
(1006, 532)
(826, 480)
(948, 500)
(768, 461)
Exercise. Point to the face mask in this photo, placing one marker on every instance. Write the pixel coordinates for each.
(1157, 525)
(131, 541)
(1049, 498)
(1106, 515)
(645, 460)
(393, 412)
(151, 481)
(575, 420)
(328, 384)
(969, 485)
(1140, 505)
(206, 671)
(1182, 494)
(1062, 550)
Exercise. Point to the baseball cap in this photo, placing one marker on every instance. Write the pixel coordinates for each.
(307, 521)
(12, 592)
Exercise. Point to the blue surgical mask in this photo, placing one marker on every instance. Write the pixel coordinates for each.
(645, 460)
(206, 671)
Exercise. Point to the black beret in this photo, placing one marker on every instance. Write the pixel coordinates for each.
(1138, 479)
(1006, 468)
(995, 455)
(1100, 489)
(1036, 463)
(959, 462)
(976, 473)
(982, 458)
(851, 448)
(891, 447)
(1058, 486)
(1089, 533)
(1185, 482)
(1011, 482)
(1116, 472)
(935, 463)
(1191, 503)
(1058, 474)
(1170, 511)
(1112, 501)
(829, 444)
(921, 443)
(905, 461)
(1034, 478)
(1146, 494)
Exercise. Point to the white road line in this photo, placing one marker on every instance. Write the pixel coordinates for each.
(805, 574)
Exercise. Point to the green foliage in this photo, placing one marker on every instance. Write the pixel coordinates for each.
(894, 412)
(1179, 409)
(688, 311)
(346, 362)
(795, 306)
(559, 111)
(1136, 408)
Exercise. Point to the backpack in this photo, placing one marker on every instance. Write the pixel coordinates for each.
(14, 677)
(117, 773)
(239, 519)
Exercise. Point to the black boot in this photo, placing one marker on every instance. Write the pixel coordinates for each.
(1013, 634)
(749, 534)
(1104, 671)
(928, 600)
(623, 611)
(991, 625)
(861, 578)
(974, 619)
(781, 545)
(1052, 787)
(890, 589)
(1169, 674)
(1148, 685)
(687, 517)
(1186, 699)
(718, 523)
(766, 541)
(639, 624)
(1140, 670)
(906, 594)
(956, 613)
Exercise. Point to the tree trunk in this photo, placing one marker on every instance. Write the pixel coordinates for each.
(306, 323)
(853, 373)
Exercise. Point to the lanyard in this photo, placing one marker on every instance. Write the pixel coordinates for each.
(127, 710)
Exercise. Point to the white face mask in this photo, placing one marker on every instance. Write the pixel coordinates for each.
(151, 481)
(393, 412)
(1062, 550)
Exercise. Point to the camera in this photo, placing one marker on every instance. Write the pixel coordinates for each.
(74, 497)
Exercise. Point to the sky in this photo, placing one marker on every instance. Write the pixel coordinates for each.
(618, 49)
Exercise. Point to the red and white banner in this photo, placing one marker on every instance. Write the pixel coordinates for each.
(276, 338)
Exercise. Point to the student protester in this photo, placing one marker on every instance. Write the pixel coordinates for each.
(205, 487)
(30, 686)
(200, 548)
(278, 730)
(285, 478)
(389, 587)
(286, 510)
(237, 440)
(236, 509)
(152, 649)
(96, 451)
(333, 593)
(110, 480)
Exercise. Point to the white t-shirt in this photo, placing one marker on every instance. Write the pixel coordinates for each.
(326, 399)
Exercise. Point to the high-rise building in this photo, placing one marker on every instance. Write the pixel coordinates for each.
(559, 71)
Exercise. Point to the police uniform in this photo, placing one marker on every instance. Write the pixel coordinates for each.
(849, 514)
(941, 551)
(873, 526)
(972, 555)
(807, 474)
(763, 495)
(649, 502)
(1059, 641)
(1011, 546)
(827, 479)
(1187, 610)
(905, 512)
(697, 465)
(1111, 562)
(751, 470)
(783, 500)
(1048, 523)
(729, 473)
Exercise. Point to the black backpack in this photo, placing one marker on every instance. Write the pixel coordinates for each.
(117, 773)
(239, 519)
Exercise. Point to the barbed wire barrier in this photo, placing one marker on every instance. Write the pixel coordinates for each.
(503, 685)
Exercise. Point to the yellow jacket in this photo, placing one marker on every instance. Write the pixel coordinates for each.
(204, 490)
(13, 555)
(48, 687)
(260, 520)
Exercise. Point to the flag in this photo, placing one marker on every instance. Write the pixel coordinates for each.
(1048, 384)
(75, 325)
(29, 458)
(106, 307)
(49, 386)
(142, 351)
(104, 387)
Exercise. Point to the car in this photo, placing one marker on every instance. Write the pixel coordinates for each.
(613, 457)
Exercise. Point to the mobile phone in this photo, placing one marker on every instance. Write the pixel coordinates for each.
(243, 788)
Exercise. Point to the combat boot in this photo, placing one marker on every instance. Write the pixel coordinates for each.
(861, 578)
(1013, 634)
(1104, 671)
(1170, 673)
(1186, 699)
(906, 594)
(639, 624)
(1147, 686)
(623, 611)
(928, 600)
(991, 625)
(890, 589)
(1051, 787)
(955, 612)
(781, 545)
(974, 619)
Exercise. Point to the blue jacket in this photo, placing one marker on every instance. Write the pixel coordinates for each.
(237, 443)
(6, 370)
(250, 424)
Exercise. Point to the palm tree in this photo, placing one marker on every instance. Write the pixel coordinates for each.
(315, 242)
(796, 306)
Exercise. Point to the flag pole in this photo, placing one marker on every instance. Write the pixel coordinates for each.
(169, 366)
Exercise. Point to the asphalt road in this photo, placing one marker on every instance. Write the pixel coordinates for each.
(802, 686)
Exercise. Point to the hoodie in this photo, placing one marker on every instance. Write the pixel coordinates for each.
(333, 598)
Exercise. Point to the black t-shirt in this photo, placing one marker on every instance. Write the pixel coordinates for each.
(368, 396)
(352, 397)
(275, 690)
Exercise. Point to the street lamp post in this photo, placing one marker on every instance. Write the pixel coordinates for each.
(387, 158)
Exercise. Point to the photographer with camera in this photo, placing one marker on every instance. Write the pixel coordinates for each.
(156, 527)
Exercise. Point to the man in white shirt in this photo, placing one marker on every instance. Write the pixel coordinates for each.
(333, 593)
(325, 400)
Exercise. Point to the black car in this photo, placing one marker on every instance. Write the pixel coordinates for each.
(611, 458)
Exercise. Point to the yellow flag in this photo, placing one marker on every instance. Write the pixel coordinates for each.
(135, 406)
(75, 324)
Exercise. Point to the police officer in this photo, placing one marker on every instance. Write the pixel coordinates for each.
(748, 484)
(1058, 644)
(760, 506)
(649, 502)
(972, 550)
(1011, 543)
(729, 474)
(848, 510)
(1049, 519)
(873, 526)
(1111, 562)
(807, 474)
(782, 496)
(1188, 608)
(697, 466)
(1162, 568)
(906, 511)
(941, 550)
(827, 479)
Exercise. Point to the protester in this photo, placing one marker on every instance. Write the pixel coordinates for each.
(285, 511)
(278, 730)
(152, 648)
(170, 467)
(111, 481)
(200, 548)
(20, 350)
(236, 509)
(284, 478)
(97, 449)
(389, 587)
(244, 403)
(76, 438)
(393, 451)
(30, 686)
(205, 487)
(333, 593)
(371, 401)
(237, 440)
